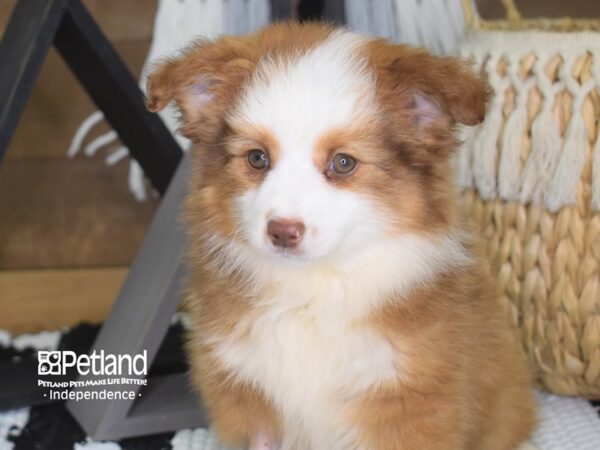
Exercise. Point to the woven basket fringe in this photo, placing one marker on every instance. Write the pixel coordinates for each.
(546, 146)
(514, 130)
(551, 174)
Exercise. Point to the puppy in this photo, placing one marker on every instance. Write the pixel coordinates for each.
(338, 301)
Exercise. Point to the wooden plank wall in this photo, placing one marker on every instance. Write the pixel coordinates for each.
(68, 227)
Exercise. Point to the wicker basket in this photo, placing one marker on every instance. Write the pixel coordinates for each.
(531, 180)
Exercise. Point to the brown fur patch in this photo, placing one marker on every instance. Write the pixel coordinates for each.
(486, 404)
(450, 82)
(237, 410)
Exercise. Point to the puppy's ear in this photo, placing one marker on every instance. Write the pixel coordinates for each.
(201, 79)
(439, 86)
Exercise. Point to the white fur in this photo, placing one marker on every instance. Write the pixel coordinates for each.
(307, 350)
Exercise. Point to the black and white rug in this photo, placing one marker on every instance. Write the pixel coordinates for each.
(565, 423)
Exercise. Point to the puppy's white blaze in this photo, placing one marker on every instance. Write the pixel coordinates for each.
(306, 94)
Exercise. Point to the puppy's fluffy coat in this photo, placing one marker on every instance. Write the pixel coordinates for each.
(371, 323)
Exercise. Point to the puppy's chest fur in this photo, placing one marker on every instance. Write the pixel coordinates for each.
(309, 356)
(306, 341)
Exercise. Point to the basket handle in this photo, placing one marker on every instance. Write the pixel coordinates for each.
(472, 17)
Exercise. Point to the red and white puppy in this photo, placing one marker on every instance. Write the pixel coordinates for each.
(337, 299)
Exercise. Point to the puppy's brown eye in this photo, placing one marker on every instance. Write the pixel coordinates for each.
(342, 164)
(258, 159)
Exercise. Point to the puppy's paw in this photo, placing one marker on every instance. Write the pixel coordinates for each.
(262, 441)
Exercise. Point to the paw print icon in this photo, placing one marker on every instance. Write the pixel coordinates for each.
(49, 363)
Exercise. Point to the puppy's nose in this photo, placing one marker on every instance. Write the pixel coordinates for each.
(285, 233)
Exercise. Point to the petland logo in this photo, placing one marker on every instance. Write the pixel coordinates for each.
(59, 362)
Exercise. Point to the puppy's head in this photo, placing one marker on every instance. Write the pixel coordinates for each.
(311, 143)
